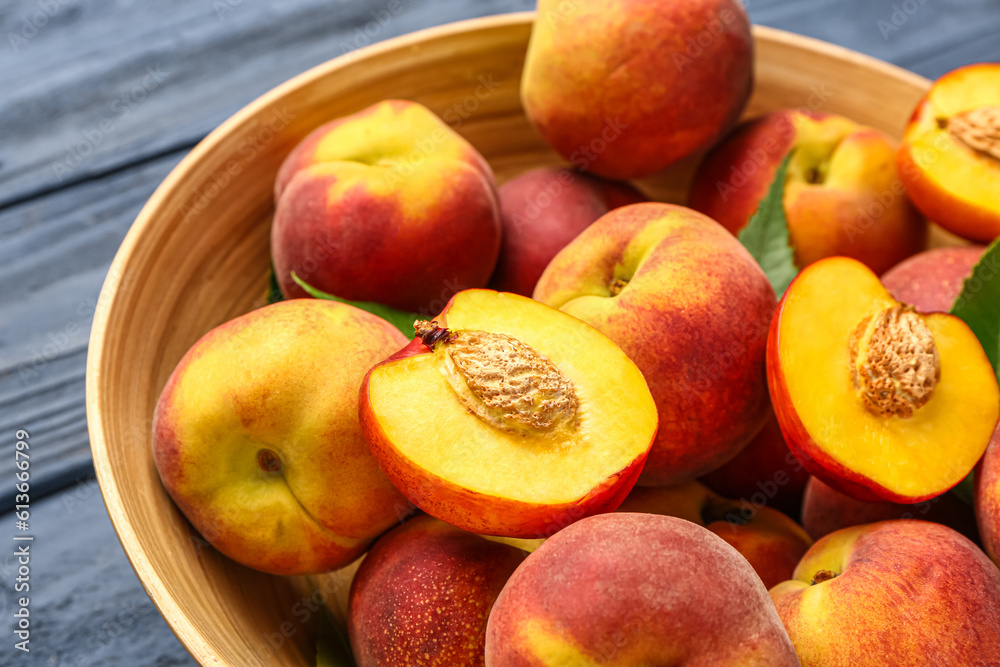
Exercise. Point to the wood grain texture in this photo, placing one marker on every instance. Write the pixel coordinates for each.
(56, 244)
(925, 36)
(87, 607)
(105, 84)
(198, 254)
(58, 236)
(54, 254)
(66, 79)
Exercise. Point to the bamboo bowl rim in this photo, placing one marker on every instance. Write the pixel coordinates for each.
(187, 632)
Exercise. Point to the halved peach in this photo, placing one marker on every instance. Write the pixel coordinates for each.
(949, 159)
(508, 417)
(875, 399)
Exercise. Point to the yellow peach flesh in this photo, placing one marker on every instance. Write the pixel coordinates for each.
(970, 176)
(916, 456)
(423, 417)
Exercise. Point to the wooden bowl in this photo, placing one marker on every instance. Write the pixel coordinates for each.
(197, 256)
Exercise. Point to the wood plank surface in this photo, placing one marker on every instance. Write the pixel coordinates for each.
(53, 259)
(58, 234)
(98, 101)
(105, 84)
(87, 608)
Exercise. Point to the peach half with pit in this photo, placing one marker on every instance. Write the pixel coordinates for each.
(877, 400)
(507, 417)
(949, 159)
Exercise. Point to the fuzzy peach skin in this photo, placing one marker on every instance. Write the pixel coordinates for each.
(770, 541)
(902, 593)
(764, 473)
(544, 209)
(842, 193)
(987, 497)
(931, 281)
(825, 510)
(259, 422)
(627, 87)
(387, 205)
(423, 594)
(631, 590)
(952, 182)
(691, 310)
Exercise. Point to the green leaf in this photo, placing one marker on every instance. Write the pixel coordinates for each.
(400, 319)
(333, 649)
(766, 234)
(978, 305)
(274, 294)
(965, 490)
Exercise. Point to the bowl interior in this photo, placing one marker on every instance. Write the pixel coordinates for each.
(197, 256)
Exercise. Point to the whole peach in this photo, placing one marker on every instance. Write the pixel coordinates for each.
(387, 205)
(627, 87)
(544, 209)
(902, 593)
(635, 589)
(690, 306)
(259, 421)
(842, 193)
(423, 594)
(930, 281)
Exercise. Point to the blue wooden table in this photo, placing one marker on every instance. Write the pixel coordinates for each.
(99, 99)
